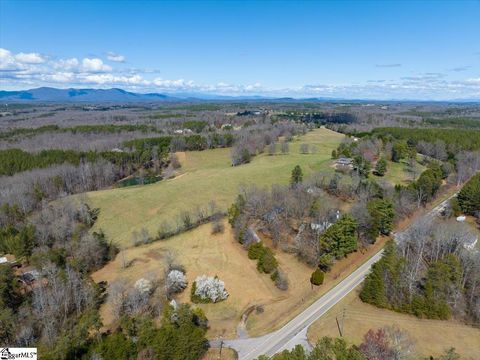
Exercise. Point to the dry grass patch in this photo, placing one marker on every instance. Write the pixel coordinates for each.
(300, 293)
(203, 253)
(225, 354)
(200, 253)
(432, 336)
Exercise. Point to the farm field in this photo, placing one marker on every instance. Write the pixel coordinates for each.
(203, 253)
(432, 337)
(204, 176)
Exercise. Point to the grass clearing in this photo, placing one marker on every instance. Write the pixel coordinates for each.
(399, 173)
(205, 176)
(217, 354)
(203, 253)
(432, 336)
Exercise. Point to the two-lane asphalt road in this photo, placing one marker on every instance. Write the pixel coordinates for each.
(291, 334)
(295, 331)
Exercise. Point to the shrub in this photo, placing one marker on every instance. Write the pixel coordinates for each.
(381, 167)
(208, 290)
(267, 262)
(317, 277)
(280, 279)
(176, 281)
(255, 251)
(217, 227)
(297, 176)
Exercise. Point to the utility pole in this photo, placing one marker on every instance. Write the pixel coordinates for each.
(341, 327)
(221, 347)
(338, 326)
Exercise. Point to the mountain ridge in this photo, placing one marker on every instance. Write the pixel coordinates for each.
(91, 95)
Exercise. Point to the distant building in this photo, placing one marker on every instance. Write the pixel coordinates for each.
(344, 162)
(320, 227)
(183, 131)
(250, 113)
(470, 244)
(8, 260)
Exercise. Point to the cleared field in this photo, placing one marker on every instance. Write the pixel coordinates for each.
(205, 176)
(398, 173)
(432, 337)
(203, 253)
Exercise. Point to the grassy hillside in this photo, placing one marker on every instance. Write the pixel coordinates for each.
(205, 176)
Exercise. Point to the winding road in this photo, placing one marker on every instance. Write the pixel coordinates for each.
(295, 331)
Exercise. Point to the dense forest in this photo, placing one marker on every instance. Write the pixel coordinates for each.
(454, 139)
(469, 196)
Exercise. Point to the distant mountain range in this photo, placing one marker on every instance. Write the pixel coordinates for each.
(48, 94)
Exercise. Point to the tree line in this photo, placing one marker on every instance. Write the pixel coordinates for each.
(428, 273)
(454, 139)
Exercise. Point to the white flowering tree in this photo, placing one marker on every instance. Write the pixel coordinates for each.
(208, 289)
(143, 285)
(176, 281)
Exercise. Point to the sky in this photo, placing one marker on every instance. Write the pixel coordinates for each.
(426, 50)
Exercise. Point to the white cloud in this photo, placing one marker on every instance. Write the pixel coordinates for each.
(8, 61)
(27, 70)
(30, 58)
(115, 57)
(179, 84)
(103, 79)
(59, 77)
(473, 81)
(67, 64)
(94, 65)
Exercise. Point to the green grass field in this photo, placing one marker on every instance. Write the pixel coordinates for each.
(398, 173)
(205, 176)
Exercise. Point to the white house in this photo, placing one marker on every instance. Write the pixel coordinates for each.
(470, 244)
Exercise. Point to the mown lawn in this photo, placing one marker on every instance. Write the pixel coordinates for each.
(205, 176)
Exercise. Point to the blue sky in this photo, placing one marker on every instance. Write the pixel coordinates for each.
(383, 50)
